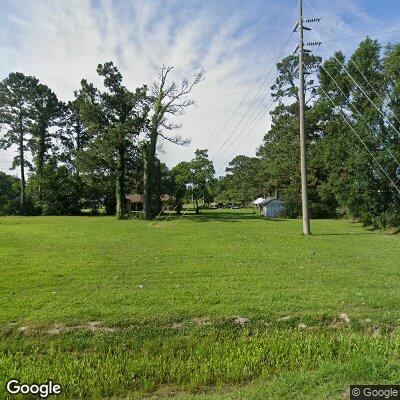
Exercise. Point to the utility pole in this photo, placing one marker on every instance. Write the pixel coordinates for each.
(303, 161)
(303, 154)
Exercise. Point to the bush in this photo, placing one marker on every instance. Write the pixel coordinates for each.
(60, 191)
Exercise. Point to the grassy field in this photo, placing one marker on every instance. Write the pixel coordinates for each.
(222, 305)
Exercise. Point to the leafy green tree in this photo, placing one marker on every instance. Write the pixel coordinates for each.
(360, 187)
(244, 182)
(391, 67)
(46, 116)
(279, 153)
(74, 136)
(114, 119)
(201, 177)
(61, 190)
(16, 121)
(180, 179)
(9, 194)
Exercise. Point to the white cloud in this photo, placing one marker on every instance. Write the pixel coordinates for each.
(62, 42)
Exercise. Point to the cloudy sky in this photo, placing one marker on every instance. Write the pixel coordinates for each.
(236, 42)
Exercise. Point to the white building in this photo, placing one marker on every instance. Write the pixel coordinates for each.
(272, 207)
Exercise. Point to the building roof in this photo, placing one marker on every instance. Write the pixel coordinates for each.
(258, 201)
(135, 198)
(269, 199)
(138, 198)
(167, 197)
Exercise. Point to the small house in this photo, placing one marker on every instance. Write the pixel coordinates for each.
(135, 201)
(167, 202)
(257, 203)
(272, 207)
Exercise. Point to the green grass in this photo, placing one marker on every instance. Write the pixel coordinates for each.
(165, 296)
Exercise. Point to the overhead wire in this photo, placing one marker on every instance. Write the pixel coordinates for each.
(364, 35)
(331, 16)
(215, 133)
(360, 114)
(358, 86)
(254, 117)
(361, 140)
(357, 67)
(257, 97)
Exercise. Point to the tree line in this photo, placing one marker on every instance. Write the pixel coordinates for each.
(90, 152)
(353, 139)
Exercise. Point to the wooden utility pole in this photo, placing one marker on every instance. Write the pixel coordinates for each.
(303, 156)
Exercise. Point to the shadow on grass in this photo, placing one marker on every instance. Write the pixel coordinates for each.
(222, 216)
(345, 233)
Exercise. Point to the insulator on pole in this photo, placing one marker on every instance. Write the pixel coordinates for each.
(313, 20)
(313, 44)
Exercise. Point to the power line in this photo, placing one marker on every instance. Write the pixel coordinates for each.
(237, 136)
(253, 118)
(254, 102)
(216, 131)
(359, 70)
(364, 35)
(359, 113)
(346, 122)
(329, 16)
(358, 136)
(257, 97)
(359, 87)
(356, 36)
(367, 80)
(259, 118)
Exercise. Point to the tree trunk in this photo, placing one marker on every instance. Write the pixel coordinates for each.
(157, 188)
(178, 206)
(23, 183)
(78, 148)
(149, 178)
(146, 189)
(40, 158)
(120, 185)
(197, 206)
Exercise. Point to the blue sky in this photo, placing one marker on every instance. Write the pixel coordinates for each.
(236, 42)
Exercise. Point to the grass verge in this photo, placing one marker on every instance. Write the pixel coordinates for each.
(142, 361)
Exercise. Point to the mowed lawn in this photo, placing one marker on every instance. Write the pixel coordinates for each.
(123, 309)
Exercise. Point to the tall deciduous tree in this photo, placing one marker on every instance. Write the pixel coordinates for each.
(16, 121)
(244, 180)
(115, 118)
(180, 178)
(201, 176)
(168, 98)
(47, 112)
(280, 150)
(9, 194)
(74, 136)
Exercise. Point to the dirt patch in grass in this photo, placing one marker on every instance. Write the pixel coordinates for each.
(241, 321)
(92, 326)
(201, 321)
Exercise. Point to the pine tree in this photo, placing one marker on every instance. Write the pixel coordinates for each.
(16, 113)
